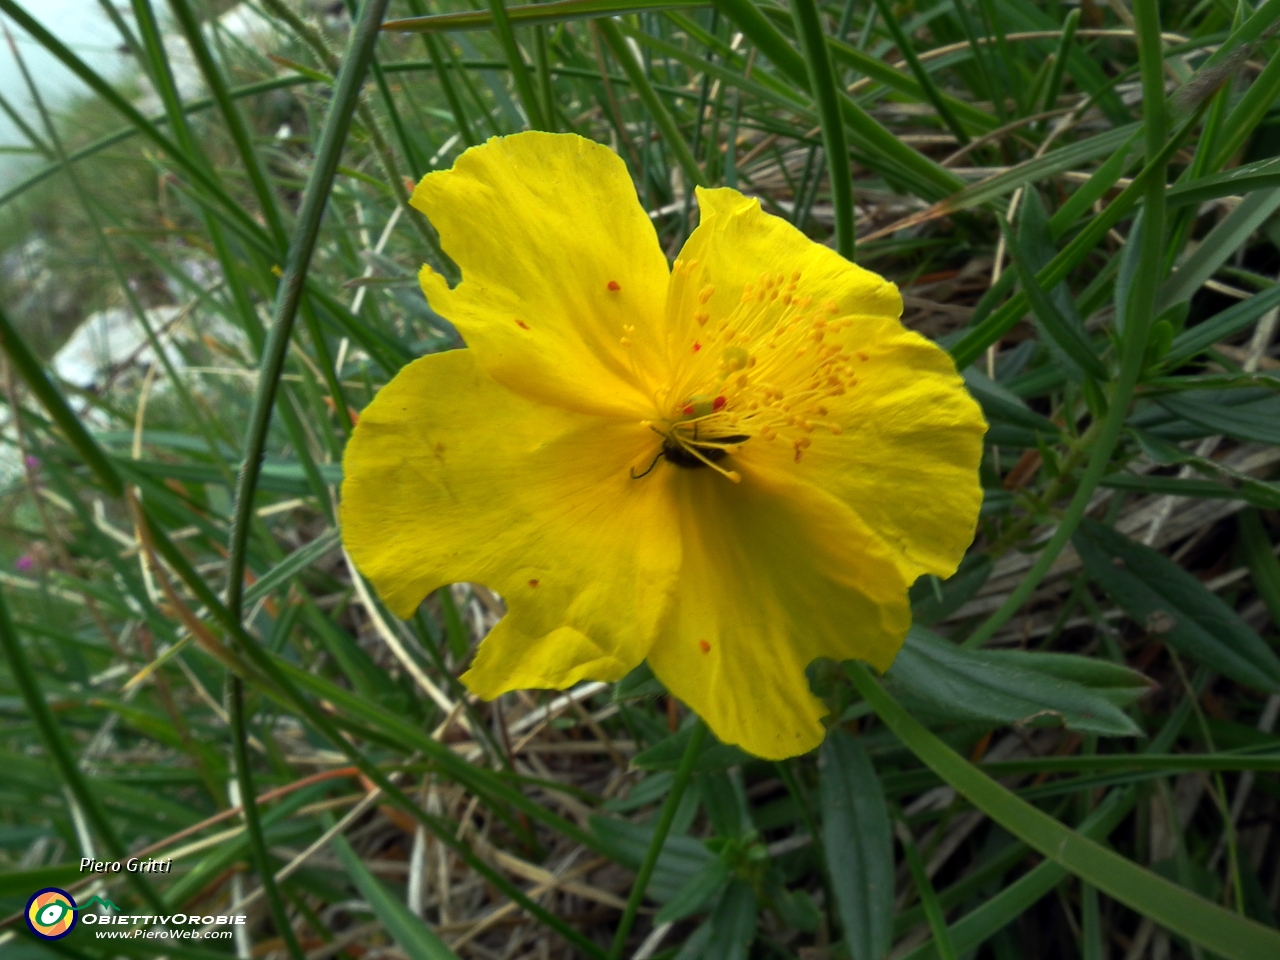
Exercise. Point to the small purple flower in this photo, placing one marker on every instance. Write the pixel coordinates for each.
(33, 462)
(24, 563)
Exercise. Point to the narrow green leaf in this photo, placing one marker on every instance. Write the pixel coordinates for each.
(874, 140)
(1070, 337)
(558, 11)
(858, 843)
(929, 606)
(1219, 246)
(1246, 414)
(657, 109)
(1204, 335)
(1259, 493)
(928, 896)
(1238, 181)
(975, 927)
(1171, 603)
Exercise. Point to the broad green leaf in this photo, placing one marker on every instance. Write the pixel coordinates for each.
(1246, 414)
(732, 923)
(1172, 604)
(1117, 683)
(949, 682)
(725, 802)
(682, 858)
(411, 933)
(1263, 566)
(693, 947)
(695, 894)
(1181, 911)
(1001, 404)
(857, 840)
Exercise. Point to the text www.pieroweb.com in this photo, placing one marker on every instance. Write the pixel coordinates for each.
(139, 933)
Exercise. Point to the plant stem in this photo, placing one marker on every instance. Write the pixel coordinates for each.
(289, 294)
(252, 823)
(660, 831)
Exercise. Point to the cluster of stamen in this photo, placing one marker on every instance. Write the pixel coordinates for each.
(766, 370)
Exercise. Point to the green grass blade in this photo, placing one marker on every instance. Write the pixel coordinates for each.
(558, 11)
(1176, 908)
(411, 934)
(930, 89)
(60, 752)
(822, 82)
(649, 97)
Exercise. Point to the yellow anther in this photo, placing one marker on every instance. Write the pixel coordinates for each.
(795, 277)
(702, 317)
(706, 293)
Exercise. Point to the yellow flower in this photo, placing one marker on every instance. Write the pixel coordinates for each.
(730, 467)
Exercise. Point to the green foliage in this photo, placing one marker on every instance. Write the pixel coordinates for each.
(1083, 209)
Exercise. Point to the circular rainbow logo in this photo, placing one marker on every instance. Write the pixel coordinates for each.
(51, 913)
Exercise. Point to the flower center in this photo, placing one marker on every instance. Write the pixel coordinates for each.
(765, 370)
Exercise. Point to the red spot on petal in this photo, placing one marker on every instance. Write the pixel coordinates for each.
(687, 410)
(615, 286)
(718, 403)
(697, 347)
(533, 583)
(522, 325)
(862, 356)
(704, 646)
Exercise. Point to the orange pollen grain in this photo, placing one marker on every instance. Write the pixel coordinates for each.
(704, 646)
(522, 325)
(533, 583)
(615, 286)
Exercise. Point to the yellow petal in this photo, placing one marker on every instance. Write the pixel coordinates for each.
(558, 258)
(449, 477)
(907, 457)
(737, 244)
(898, 439)
(773, 578)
